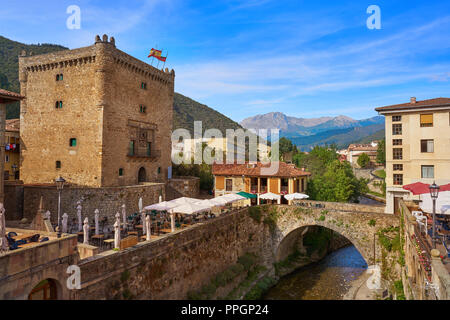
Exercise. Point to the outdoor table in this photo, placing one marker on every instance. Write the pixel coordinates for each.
(134, 233)
(166, 230)
(97, 238)
(109, 242)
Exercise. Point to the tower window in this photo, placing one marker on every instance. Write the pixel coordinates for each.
(142, 109)
(73, 142)
(58, 104)
(58, 164)
(59, 77)
(144, 85)
(159, 170)
(120, 172)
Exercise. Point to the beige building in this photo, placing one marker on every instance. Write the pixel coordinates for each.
(6, 97)
(218, 144)
(12, 150)
(96, 116)
(417, 146)
(356, 150)
(233, 178)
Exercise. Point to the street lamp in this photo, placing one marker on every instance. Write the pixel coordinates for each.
(434, 193)
(59, 186)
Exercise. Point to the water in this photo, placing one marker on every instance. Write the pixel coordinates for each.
(328, 279)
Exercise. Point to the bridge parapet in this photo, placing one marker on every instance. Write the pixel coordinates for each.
(339, 206)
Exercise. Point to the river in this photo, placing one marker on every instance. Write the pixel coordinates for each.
(328, 279)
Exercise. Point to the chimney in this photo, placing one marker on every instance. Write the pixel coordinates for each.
(413, 100)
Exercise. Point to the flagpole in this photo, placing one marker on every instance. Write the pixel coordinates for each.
(166, 58)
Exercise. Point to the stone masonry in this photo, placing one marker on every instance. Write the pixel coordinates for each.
(118, 108)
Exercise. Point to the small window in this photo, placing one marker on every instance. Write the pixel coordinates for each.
(120, 172)
(428, 172)
(149, 149)
(398, 167)
(426, 120)
(397, 153)
(398, 179)
(159, 170)
(426, 145)
(142, 109)
(397, 142)
(131, 151)
(396, 118)
(144, 85)
(73, 142)
(397, 129)
(58, 104)
(58, 164)
(59, 77)
(229, 185)
(7, 158)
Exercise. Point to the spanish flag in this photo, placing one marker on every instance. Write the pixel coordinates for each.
(157, 54)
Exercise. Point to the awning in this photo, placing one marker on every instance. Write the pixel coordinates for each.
(417, 188)
(442, 203)
(247, 195)
(270, 196)
(296, 196)
(191, 208)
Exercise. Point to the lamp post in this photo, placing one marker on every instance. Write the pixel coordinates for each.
(59, 186)
(434, 193)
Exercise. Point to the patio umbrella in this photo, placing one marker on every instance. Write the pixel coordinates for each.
(140, 205)
(417, 188)
(160, 199)
(3, 242)
(270, 196)
(247, 195)
(219, 201)
(442, 203)
(80, 225)
(148, 227)
(86, 231)
(96, 221)
(172, 221)
(183, 200)
(445, 187)
(296, 196)
(65, 217)
(233, 197)
(144, 227)
(191, 208)
(117, 235)
(162, 206)
(124, 216)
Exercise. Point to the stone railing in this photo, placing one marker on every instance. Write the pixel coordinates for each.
(339, 206)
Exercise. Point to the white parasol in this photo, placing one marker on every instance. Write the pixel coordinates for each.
(270, 196)
(124, 216)
(80, 224)
(65, 217)
(86, 231)
(296, 196)
(117, 235)
(96, 221)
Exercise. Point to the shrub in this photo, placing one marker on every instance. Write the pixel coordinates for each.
(247, 261)
(255, 213)
(372, 223)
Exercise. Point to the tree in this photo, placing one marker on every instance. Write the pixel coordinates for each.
(363, 160)
(381, 152)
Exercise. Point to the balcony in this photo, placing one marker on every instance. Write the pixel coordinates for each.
(154, 154)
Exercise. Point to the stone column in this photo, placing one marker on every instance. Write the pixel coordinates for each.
(2, 148)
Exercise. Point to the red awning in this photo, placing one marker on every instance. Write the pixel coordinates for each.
(417, 188)
(445, 187)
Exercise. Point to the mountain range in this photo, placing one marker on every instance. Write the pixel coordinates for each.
(307, 132)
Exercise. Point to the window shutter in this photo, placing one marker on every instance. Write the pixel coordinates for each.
(220, 183)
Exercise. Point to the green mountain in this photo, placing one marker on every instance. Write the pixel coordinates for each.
(378, 135)
(186, 110)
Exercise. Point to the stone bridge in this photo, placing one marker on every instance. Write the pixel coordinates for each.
(357, 223)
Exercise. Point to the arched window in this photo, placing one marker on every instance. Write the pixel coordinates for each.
(142, 175)
(44, 290)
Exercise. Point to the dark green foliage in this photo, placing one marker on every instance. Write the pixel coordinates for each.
(381, 152)
(255, 213)
(203, 171)
(398, 286)
(125, 276)
(261, 287)
(317, 240)
(248, 260)
(372, 222)
(363, 160)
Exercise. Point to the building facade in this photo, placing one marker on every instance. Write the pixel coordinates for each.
(12, 150)
(417, 146)
(6, 97)
(356, 150)
(233, 178)
(96, 116)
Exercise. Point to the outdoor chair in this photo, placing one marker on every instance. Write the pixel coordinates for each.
(44, 239)
(12, 234)
(35, 238)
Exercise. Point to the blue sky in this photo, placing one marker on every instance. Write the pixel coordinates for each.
(242, 58)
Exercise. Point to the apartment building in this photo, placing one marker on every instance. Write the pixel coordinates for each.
(417, 146)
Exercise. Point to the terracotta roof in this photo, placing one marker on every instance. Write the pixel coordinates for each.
(362, 147)
(9, 96)
(13, 125)
(430, 103)
(284, 170)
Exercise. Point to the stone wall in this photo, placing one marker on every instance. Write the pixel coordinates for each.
(340, 206)
(22, 269)
(102, 92)
(108, 200)
(183, 187)
(13, 200)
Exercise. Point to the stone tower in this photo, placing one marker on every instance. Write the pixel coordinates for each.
(96, 116)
